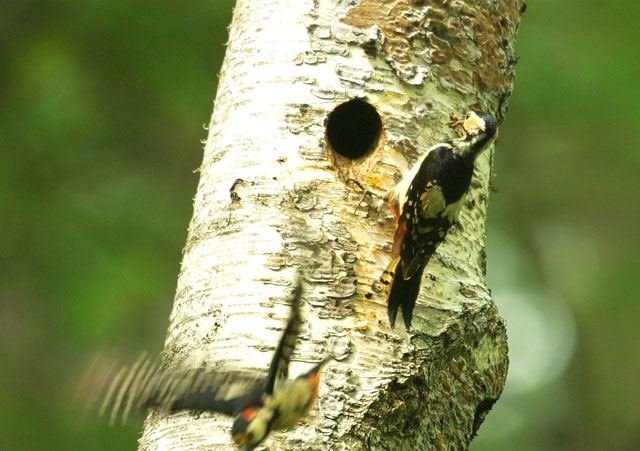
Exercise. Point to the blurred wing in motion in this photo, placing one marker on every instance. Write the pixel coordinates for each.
(118, 390)
(279, 368)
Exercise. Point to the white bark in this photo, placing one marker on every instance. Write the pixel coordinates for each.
(273, 199)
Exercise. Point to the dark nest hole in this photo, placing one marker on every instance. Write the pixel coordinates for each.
(353, 128)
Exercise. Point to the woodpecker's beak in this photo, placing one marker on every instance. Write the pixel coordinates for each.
(313, 376)
(320, 366)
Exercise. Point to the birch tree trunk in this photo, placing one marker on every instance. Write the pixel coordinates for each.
(283, 171)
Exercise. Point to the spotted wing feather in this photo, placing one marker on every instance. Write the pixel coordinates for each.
(421, 213)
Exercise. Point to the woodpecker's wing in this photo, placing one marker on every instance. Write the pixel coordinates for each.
(118, 390)
(227, 393)
(279, 368)
(421, 224)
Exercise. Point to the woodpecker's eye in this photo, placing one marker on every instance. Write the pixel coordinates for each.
(468, 116)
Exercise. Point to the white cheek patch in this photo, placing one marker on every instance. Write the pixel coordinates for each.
(474, 122)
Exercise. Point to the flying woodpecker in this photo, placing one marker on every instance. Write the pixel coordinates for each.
(426, 203)
(258, 404)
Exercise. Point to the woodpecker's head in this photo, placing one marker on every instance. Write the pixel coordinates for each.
(480, 128)
(313, 379)
(250, 428)
(478, 123)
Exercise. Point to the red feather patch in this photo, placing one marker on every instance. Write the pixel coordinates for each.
(401, 230)
(248, 413)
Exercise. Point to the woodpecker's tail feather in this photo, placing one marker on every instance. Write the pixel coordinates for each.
(401, 292)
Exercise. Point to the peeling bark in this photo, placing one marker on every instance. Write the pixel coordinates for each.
(274, 198)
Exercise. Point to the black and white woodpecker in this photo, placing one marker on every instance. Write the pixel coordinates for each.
(426, 203)
(258, 404)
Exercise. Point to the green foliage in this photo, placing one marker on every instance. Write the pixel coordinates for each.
(562, 239)
(103, 106)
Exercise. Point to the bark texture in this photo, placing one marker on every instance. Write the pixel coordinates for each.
(274, 198)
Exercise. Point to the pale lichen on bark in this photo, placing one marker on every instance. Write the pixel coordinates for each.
(274, 198)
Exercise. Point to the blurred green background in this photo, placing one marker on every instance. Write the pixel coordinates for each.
(103, 106)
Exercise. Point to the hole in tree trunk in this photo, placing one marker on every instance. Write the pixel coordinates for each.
(353, 128)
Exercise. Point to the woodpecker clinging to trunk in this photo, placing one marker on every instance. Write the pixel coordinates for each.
(426, 203)
(259, 404)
